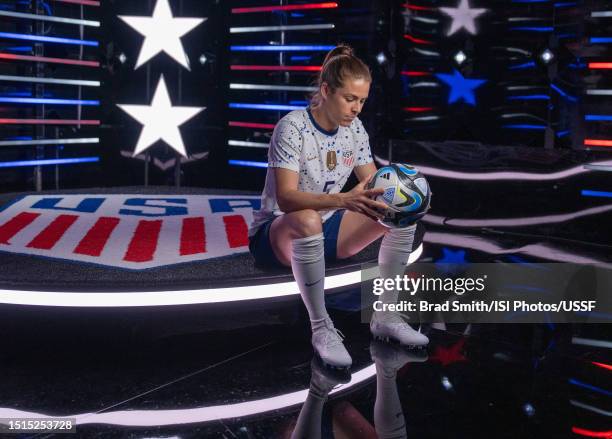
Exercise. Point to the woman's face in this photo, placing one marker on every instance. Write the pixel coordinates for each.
(345, 103)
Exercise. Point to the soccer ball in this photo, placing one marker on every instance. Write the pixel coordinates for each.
(406, 193)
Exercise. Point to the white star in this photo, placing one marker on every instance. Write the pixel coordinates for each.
(463, 17)
(160, 120)
(162, 33)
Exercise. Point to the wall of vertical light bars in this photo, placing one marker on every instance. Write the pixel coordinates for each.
(276, 51)
(48, 88)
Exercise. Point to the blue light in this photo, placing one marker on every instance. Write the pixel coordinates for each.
(564, 94)
(299, 102)
(48, 162)
(279, 48)
(248, 163)
(575, 382)
(529, 1)
(462, 89)
(20, 49)
(564, 4)
(597, 117)
(526, 65)
(601, 40)
(48, 39)
(589, 193)
(533, 28)
(48, 101)
(562, 133)
(524, 127)
(273, 107)
(300, 58)
(529, 98)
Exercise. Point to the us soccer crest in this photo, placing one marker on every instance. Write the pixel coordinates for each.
(127, 231)
(348, 158)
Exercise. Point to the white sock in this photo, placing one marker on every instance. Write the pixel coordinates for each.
(308, 265)
(393, 255)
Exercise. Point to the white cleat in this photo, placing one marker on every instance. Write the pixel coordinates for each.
(394, 357)
(327, 343)
(324, 379)
(390, 326)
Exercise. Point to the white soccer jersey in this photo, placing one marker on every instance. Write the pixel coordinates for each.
(324, 160)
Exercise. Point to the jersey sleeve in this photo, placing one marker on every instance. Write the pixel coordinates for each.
(363, 153)
(285, 147)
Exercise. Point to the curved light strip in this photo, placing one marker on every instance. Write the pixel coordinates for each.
(327, 5)
(50, 80)
(514, 222)
(181, 297)
(48, 101)
(49, 141)
(289, 48)
(46, 59)
(502, 175)
(153, 418)
(49, 162)
(50, 18)
(276, 68)
(46, 39)
(238, 30)
(592, 342)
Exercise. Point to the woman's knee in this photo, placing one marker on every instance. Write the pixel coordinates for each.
(305, 222)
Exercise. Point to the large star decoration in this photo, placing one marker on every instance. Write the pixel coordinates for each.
(462, 89)
(160, 120)
(463, 17)
(162, 33)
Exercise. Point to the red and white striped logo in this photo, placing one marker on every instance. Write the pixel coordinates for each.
(127, 231)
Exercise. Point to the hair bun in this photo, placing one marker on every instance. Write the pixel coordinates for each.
(339, 50)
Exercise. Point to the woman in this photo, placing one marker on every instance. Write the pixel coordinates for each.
(305, 220)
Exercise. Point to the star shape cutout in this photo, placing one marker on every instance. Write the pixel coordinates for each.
(450, 355)
(462, 89)
(463, 17)
(160, 120)
(162, 32)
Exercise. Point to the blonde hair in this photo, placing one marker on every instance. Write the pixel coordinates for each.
(339, 64)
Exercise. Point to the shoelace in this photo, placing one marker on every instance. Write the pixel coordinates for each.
(334, 336)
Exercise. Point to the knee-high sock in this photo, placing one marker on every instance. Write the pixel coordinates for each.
(308, 425)
(388, 414)
(308, 265)
(393, 255)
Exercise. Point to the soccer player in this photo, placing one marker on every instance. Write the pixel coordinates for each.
(305, 220)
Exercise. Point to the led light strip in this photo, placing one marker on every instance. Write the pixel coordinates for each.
(589, 193)
(235, 86)
(277, 68)
(181, 297)
(248, 144)
(603, 40)
(248, 163)
(272, 107)
(49, 162)
(50, 18)
(590, 408)
(601, 14)
(607, 92)
(592, 342)
(597, 117)
(50, 80)
(239, 30)
(46, 39)
(327, 5)
(49, 141)
(597, 142)
(46, 59)
(48, 101)
(264, 126)
(600, 65)
(282, 48)
(81, 2)
(154, 418)
(49, 122)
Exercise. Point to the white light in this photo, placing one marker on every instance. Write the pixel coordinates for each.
(460, 57)
(529, 409)
(381, 58)
(183, 297)
(162, 32)
(122, 58)
(547, 56)
(50, 80)
(446, 383)
(463, 17)
(203, 59)
(50, 141)
(160, 120)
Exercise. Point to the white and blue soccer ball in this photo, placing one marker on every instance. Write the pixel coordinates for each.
(406, 193)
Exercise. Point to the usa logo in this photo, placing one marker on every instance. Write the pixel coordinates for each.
(127, 231)
(348, 158)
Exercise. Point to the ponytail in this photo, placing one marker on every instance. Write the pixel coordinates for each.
(339, 64)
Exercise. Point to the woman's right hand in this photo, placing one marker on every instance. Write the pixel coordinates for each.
(361, 200)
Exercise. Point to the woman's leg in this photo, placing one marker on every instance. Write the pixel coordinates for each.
(297, 240)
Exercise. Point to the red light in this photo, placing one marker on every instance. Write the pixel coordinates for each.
(277, 68)
(49, 60)
(413, 73)
(597, 142)
(600, 65)
(417, 109)
(50, 121)
(591, 433)
(416, 8)
(328, 5)
(416, 40)
(603, 365)
(265, 126)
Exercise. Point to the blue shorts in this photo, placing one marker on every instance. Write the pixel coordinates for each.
(261, 248)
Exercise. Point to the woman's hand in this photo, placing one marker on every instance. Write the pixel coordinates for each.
(359, 199)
